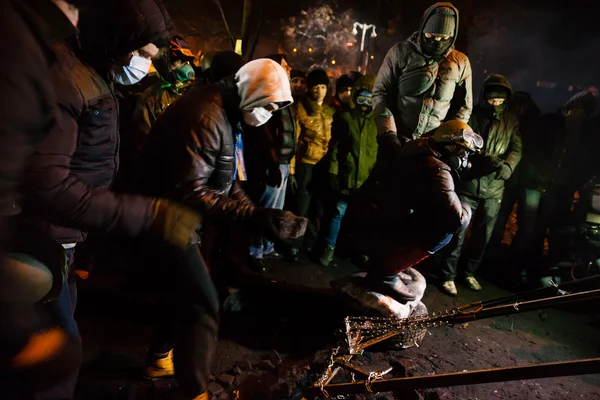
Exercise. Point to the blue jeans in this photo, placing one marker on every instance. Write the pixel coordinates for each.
(62, 309)
(336, 221)
(272, 197)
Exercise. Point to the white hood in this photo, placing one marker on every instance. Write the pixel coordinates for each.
(262, 82)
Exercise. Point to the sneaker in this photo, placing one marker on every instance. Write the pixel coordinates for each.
(160, 365)
(473, 284)
(450, 288)
(327, 256)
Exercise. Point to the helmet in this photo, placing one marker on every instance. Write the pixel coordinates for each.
(180, 49)
(459, 133)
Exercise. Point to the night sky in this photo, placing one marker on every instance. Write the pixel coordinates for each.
(548, 48)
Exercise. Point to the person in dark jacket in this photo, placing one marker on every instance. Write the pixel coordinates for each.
(550, 174)
(409, 210)
(343, 93)
(67, 179)
(499, 128)
(27, 106)
(298, 84)
(352, 157)
(270, 149)
(193, 155)
(223, 64)
(418, 80)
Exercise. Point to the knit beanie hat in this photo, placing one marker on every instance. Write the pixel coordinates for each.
(317, 77)
(343, 81)
(584, 100)
(441, 22)
(495, 92)
(296, 73)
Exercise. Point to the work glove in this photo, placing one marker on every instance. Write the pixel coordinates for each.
(274, 177)
(293, 183)
(277, 225)
(174, 223)
(389, 146)
(334, 182)
(504, 172)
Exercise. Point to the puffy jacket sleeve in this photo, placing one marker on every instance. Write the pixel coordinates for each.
(56, 193)
(198, 163)
(465, 82)
(385, 92)
(444, 213)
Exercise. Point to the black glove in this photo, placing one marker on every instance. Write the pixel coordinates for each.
(389, 147)
(504, 172)
(293, 183)
(174, 223)
(334, 182)
(274, 177)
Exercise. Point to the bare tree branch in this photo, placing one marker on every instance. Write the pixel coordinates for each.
(231, 38)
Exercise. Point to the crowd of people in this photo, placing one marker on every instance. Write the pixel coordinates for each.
(221, 163)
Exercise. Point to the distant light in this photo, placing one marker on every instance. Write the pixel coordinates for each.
(570, 88)
(372, 57)
(310, 49)
(295, 50)
(349, 44)
(485, 71)
(333, 62)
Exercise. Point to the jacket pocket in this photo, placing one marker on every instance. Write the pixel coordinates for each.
(313, 151)
(99, 125)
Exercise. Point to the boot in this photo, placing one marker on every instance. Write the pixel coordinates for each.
(327, 256)
(160, 365)
(392, 286)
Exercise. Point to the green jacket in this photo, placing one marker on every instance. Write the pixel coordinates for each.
(355, 153)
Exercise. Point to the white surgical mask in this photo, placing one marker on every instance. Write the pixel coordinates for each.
(257, 117)
(133, 73)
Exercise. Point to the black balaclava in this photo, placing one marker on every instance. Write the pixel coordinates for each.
(441, 22)
(496, 92)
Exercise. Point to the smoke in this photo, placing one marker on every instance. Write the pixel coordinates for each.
(543, 51)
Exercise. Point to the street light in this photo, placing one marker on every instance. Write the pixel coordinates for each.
(365, 28)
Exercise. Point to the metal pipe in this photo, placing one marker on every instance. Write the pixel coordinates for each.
(536, 371)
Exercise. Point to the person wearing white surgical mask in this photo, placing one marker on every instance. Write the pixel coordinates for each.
(68, 177)
(194, 147)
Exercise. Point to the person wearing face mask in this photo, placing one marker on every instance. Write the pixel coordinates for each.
(352, 157)
(177, 74)
(67, 180)
(402, 215)
(193, 155)
(315, 118)
(483, 188)
(418, 81)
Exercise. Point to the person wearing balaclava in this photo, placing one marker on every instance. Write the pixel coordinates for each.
(193, 154)
(177, 74)
(402, 215)
(68, 178)
(315, 118)
(484, 188)
(352, 157)
(418, 80)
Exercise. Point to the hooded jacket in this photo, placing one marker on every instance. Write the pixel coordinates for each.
(500, 131)
(413, 92)
(355, 152)
(68, 177)
(412, 203)
(189, 153)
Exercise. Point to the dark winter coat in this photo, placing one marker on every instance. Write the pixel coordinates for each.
(69, 175)
(502, 143)
(403, 104)
(411, 203)
(354, 154)
(189, 153)
(27, 99)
